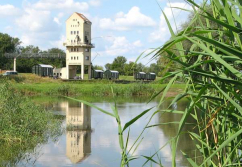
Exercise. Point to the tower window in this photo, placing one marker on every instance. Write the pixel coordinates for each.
(74, 58)
(77, 57)
(71, 49)
(87, 57)
(77, 32)
(77, 49)
(74, 32)
(86, 50)
(71, 58)
(71, 32)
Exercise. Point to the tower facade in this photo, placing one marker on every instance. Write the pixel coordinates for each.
(78, 47)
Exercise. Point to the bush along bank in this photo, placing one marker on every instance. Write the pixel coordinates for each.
(70, 89)
(23, 125)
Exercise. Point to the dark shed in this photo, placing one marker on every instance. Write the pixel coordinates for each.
(97, 74)
(109, 74)
(140, 76)
(42, 70)
(150, 76)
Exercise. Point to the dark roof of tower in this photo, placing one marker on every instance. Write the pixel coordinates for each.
(83, 17)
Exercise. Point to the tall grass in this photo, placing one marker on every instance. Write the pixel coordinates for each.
(212, 70)
(23, 125)
(99, 89)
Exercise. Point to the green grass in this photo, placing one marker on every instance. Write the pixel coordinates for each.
(30, 84)
(24, 125)
(75, 88)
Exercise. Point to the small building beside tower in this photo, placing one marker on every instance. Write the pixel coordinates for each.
(43, 70)
(78, 47)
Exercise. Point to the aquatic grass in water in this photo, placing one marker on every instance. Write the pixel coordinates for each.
(23, 125)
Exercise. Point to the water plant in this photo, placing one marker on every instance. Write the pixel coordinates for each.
(211, 68)
(23, 125)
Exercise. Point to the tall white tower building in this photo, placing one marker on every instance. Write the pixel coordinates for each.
(78, 47)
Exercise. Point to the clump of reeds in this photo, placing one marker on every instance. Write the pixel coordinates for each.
(211, 68)
(23, 125)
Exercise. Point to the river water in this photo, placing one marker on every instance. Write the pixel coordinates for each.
(90, 138)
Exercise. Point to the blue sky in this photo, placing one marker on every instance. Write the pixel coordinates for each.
(126, 27)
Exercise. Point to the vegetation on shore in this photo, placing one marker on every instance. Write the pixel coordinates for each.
(30, 84)
(23, 125)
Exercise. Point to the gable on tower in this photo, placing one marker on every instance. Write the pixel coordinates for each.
(81, 16)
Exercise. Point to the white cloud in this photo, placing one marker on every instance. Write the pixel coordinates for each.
(8, 29)
(35, 21)
(40, 23)
(9, 10)
(61, 4)
(162, 34)
(57, 20)
(137, 43)
(95, 2)
(59, 43)
(122, 22)
(121, 46)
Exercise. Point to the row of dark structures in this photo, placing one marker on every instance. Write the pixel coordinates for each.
(47, 70)
(112, 75)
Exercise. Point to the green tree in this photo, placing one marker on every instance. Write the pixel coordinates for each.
(30, 49)
(129, 69)
(24, 65)
(108, 66)
(55, 61)
(8, 44)
(118, 64)
(97, 67)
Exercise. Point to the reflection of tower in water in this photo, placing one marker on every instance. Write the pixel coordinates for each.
(78, 134)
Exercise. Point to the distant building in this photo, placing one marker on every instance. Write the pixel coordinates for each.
(42, 70)
(78, 47)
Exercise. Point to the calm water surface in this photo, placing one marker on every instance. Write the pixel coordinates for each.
(90, 138)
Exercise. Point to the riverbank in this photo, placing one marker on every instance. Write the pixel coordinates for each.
(76, 89)
(32, 85)
(24, 125)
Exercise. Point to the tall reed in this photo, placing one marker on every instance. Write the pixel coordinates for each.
(212, 70)
(23, 125)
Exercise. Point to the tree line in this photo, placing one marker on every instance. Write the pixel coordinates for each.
(121, 65)
(10, 44)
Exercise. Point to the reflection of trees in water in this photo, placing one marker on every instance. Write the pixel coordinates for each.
(26, 153)
(185, 144)
(78, 134)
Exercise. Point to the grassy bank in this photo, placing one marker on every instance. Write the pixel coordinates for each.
(93, 89)
(23, 125)
(29, 84)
